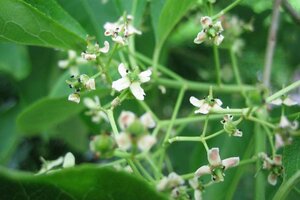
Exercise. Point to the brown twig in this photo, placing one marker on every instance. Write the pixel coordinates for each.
(291, 11)
(271, 42)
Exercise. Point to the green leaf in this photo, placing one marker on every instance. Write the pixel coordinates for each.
(47, 112)
(42, 24)
(91, 14)
(169, 16)
(291, 158)
(8, 133)
(83, 182)
(14, 60)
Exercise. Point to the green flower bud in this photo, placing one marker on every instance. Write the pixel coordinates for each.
(136, 128)
(103, 145)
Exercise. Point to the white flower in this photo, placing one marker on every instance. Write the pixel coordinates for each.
(94, 51)
(210, 30)
(273, 165)
(173, 180)
(72, 62)
(121, 30)
(125, 119)
(94, 109)
(75, 97)
(285, 101)
(134, 84)
(124, 141)
(89, 83)
(147, 120)
(216, 165)
(146, 142)
(69, 160)
(205, 105)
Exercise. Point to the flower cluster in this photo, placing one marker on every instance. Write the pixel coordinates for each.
(284, 132)
(274, 166)
(172, 184)
(121, 30)
(95, 111)
(211, 31)
(205, 104)
(132, 80)
(230, 126)
(102, 145)
(135, 132)
(216, 166)
(65, 162)
(72, 62)
(93, 50)
(80, 83)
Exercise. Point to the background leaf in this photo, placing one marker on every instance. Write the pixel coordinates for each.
(14, 61)
(291, 158)
(23, 23)
(84, 182)
(48, 112)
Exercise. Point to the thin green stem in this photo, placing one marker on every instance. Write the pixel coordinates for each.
(283, 91)
(134, 168)
(111, 56)
(217, 64)
(205, 126)
(247, 161)
(156, 172)
(225, 10)
(111, 119)
(196, 86)
(214, 134)
(262, 122)
(155, 60)
(148, 109)
(185, 139)
(187, 120)
(144, 171)
(175, 112)
(270, 136)
(205, 145)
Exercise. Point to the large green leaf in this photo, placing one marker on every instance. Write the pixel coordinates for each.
(83, 182)
(91, 14)
(169, 16)
(41, 23)
(291, 159)
(47, 112)
(14, 60)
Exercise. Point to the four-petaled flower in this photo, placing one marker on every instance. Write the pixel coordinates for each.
(134, 131)
(173, 184)
(205, 104)
(210, 30)
(121, 30)
(273, 165)
(230, 126)
(216, 166)
(93, 51)
(132, 80)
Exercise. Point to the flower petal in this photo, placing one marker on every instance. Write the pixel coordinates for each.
(75, 97)
(203, 170)
(69, 160)
(218, 102)
(122, 70)
(278, 141)
(237, 133)
(121, 84)
(119, 40)
(277, 102)
(147, 120)
(201, 36)
(123, 140)
(284, 122)
(206, 21)
(105, 49)
(197, 195)
(204, 109)
(90, 84)
(214, 157)
(272, 178)
(277, 160)
(90, 103)
(230, 162)
(137, 91)
(63, 64)
(218, 26)
(125, 119)
(145, 76)
(196, 102)
(194, 183)
(289, 102)
(146, 142)
(218, 39)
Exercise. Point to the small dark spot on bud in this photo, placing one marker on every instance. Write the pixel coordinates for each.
(70, 86)
(223, 121)
(72, 76)
(127, 70)
(79, 80)
(78, 90)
